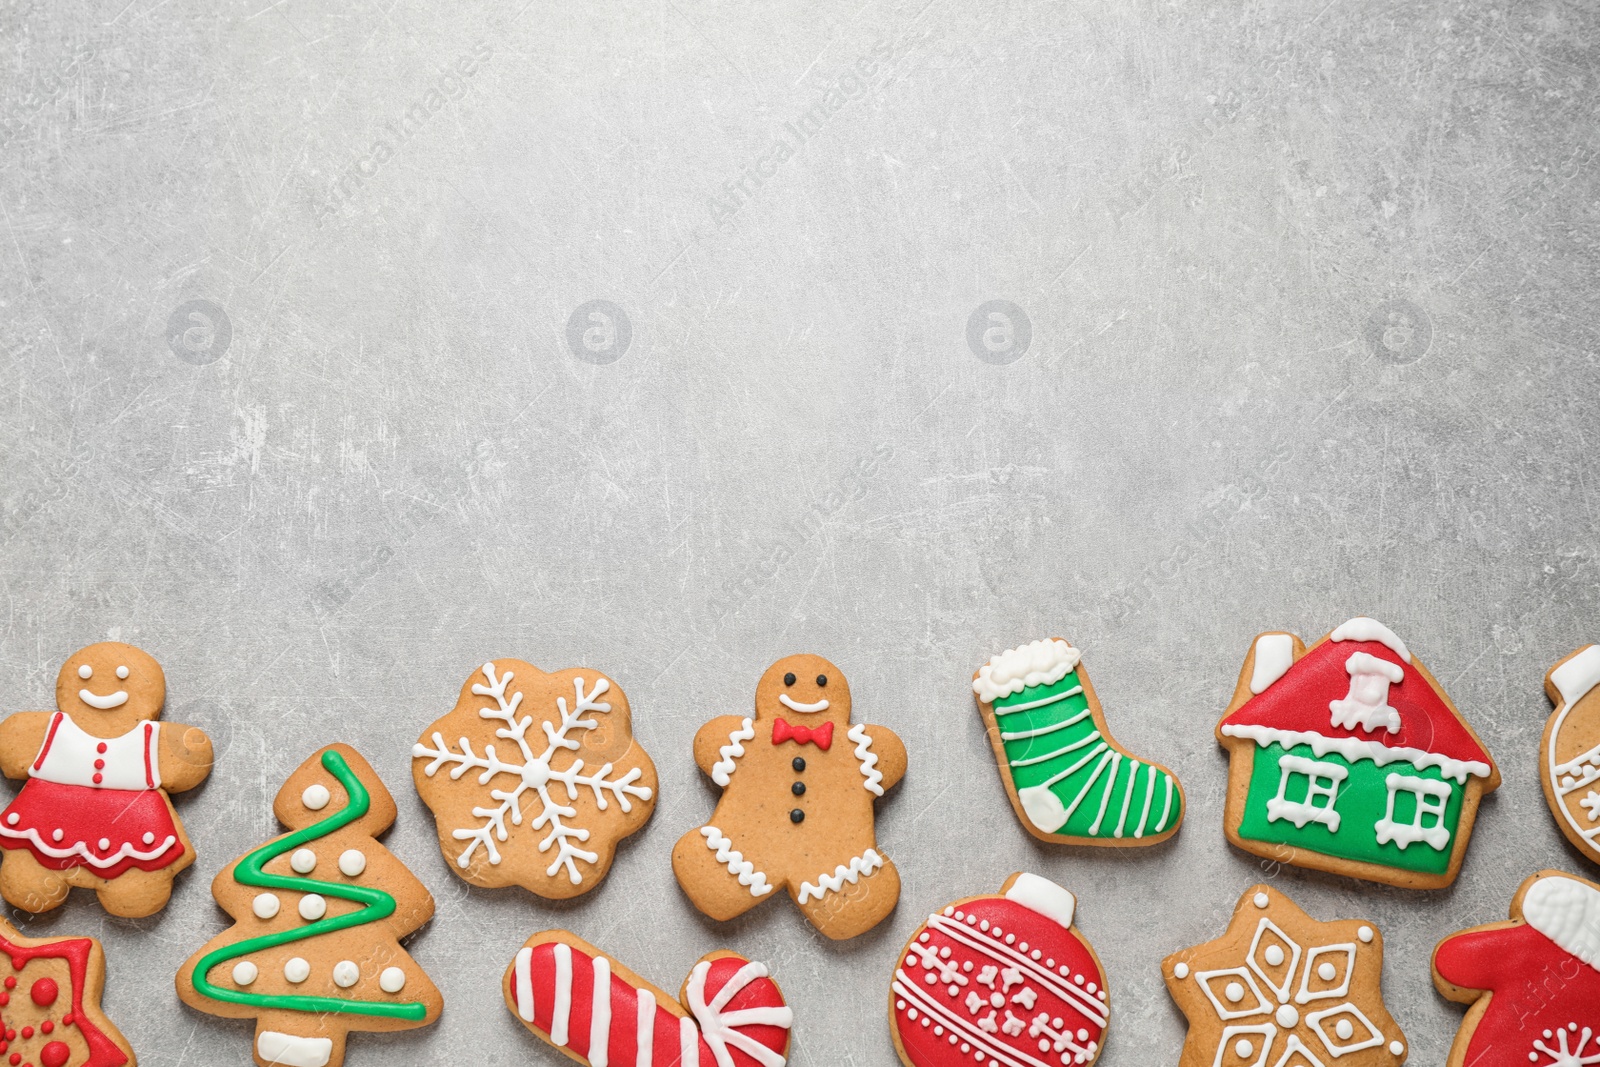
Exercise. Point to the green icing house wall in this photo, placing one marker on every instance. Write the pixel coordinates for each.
(1362, 800)
(1128, 778)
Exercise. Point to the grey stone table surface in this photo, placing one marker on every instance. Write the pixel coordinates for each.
(926, 329)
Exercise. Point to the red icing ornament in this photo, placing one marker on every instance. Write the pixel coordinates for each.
(47, 1027)
(16, 1058)
(1001, 979)
(54, 1054)
(27, 1032)
(44, 992)
(11, 979)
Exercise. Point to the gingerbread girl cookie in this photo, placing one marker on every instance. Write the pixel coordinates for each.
(796, 812)
(94, 811)
(1569, 757)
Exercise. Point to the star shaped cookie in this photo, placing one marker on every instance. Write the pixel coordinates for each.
(1281, 989)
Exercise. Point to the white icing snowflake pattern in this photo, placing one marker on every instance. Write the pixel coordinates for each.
(1565, 1054)
(1278, 992)
(1591, 804)
(535, 772)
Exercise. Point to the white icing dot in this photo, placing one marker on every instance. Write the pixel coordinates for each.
(1243, 1049)
(924, 937)
(1345, 1029)
(944, 953)
(1234, 992)
(313, 907)
(105, 844)
(930, 978)
(244, 972)
(316, 796)
(13, 819)
(265, 905)
(346, 974)
(392, 980)
(122, 672)
(1287, 1016)
(85, 672)
(1036, 953)
(1090, 987)
(949, 911)
(997, 1000)
(1011, 939)
(304, 861)
(1181, 970)
(1261, 900)
(911, 1013)
(1023, 947)
(1365, 933)
(297, 970)
(967, 966)
(56, 835)
(984, 926)
(1326, 972)
(938, 1031)
(1395, 1048)
(1273, 955)
(899, 1005)
(148, 838)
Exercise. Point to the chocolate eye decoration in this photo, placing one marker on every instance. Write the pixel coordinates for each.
(822, 680)
(86, 672)
(122, 672)
(788, 679)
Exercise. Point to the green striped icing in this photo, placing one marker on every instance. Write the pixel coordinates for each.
(1069, 777)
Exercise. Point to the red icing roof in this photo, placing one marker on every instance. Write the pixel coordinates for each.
(1299, 701)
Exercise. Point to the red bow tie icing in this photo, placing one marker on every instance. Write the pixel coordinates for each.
(821, 736)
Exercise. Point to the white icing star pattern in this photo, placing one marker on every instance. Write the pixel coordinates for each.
(1591, 804)
(534, 772)
(1567, 1047)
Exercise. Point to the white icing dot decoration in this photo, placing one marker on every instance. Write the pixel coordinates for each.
(1345, 1029)
(316, 796)
(122, 672)
(1365, 934)
(304, 861)
(1234, 992)
(12, 819)
(86, 672)
(1243, 1049)
(297, 970)
(1395, 1048)
(1260, 900)
(1273, 955)
(346, 974)
(1181, 970)
(313, 907)
(148, 838)
(392, 980)
(244, 972)
(1326, 972)
(1287, 1016)
(56, 835)
(105, 844)
(265, 905)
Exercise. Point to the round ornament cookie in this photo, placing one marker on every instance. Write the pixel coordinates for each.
(1000, 981)
(533, 778)
(1068, 779)
(730, 1013)
(1281, 988)
(1533, 982)
(1569, 756)
(319, 912)
(94, 811)
(50, 1011)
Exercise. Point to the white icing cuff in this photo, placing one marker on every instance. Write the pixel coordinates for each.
(1365, 629)
(291, 1051)
(1044, 897)
(1574, 678)
(1274, 657)
(1042, 662)
(1568, 913)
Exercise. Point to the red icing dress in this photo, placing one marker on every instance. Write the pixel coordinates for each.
(94, 802)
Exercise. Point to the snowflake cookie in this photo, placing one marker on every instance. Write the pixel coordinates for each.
(534, 778)
(1000, 981)
(1281, 989)
(1533, 982)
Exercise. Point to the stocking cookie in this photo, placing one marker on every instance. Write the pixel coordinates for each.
(1533, 983)
(543, 780)
(50, 1003)
(1000, 981)
(730, 1013)
(319, 913)
(1068, 780)
(1348, 757)
(1281, 988)
(94, 811)
(798, 784)
(1569, 756)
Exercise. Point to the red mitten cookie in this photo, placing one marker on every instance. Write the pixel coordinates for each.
(1000, 981)
(600, 1013)
(1533, 982)
(50, 1005)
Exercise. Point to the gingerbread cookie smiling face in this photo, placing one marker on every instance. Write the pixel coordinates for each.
(94, 810)
(1569, 756)
(799, 782)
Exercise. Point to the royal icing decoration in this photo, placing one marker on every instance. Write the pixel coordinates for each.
(798, 815)
(1068, 779)
(376, 909)
(1001, 981)
(580, 1000)
(1350, 758)
(581, 786)
(49, 1010)
(1282, 988)
(1540, 973)
(1569, 755)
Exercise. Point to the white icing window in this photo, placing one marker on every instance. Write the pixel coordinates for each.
(1321, 788)
(1429, 798)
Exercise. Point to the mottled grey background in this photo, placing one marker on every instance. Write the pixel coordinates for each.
(1310, 303)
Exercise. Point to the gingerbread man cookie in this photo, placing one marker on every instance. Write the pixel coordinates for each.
(94, 811)
(798, 785)
(1569, 757)
(50, 1011)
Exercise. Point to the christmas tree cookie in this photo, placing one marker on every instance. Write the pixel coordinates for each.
(1533, 983)
(1348, 757)
(50, 1003)
(1569, 756)
(1068, 779)
(319, 913)
(544, 778)
(730, 1013)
